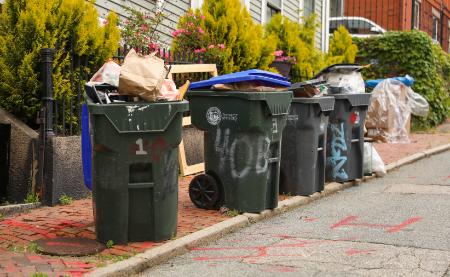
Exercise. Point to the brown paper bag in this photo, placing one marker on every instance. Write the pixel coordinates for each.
(142, 76)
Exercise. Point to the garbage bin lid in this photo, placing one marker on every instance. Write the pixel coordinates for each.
(265, 77)
(345, 67)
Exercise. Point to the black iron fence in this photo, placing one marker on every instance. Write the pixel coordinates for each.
(68, 95)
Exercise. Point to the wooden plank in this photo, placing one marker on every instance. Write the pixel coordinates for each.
(186, 169)
(193, 68)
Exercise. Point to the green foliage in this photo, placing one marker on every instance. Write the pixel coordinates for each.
(428, 64)
(32, 198)
(38, 274)
(232, 213)
(65, 199)
(33, 248)
(342, 49)
(228, 22)
(190, 37)
(27, 26)
(297, 40)
(109, 244)
(1, 216)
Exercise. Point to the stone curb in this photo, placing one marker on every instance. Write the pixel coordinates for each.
(417, 156)
(9, 210)
(182, 245)
(171, 249)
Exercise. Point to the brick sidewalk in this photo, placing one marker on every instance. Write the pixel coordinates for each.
(17, 233)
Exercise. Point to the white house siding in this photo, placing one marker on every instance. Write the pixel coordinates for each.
(255, 10)
(173, 10)
(318, 8)
(291, 9)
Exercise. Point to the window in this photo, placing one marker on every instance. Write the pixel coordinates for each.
(416, 15)
(308, 8)
(435, 24)
(435, 29)
(273, 7)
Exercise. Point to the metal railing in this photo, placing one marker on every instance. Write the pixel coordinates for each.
(65, 111)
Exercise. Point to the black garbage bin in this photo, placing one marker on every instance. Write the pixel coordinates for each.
(303, 149)
(345, 137)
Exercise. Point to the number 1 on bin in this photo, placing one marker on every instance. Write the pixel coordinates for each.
(140, 150)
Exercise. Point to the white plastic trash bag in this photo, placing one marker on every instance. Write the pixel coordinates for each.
(348, 82)
(418, 104)
(372, 161)
(108, 74)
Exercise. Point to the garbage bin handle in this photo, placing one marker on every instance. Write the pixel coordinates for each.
(169, 121)
(140, 185)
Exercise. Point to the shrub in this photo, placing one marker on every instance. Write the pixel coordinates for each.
(429, 65)
(190, 37)
(27, 26)
(139, 31)
(342, 49)
(298, 40)
(228, 22)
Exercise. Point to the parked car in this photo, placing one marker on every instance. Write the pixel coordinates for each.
(357, 26)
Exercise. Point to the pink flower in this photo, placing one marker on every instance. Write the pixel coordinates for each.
(221, 46)
(202, 17)
(211, 46)
(200, 30)
(201, 50)
(278, 53)
(178, 32)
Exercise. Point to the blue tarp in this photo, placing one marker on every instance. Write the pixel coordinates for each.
(407, 80)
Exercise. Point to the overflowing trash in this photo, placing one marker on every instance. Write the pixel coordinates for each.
(310, 88)
(389, 115)
(343, 78)
(140, 78)
(109, 74)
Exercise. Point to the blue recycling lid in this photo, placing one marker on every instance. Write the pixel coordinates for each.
(265, 78)
(86, 147)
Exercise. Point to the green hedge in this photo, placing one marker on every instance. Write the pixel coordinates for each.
(27, 26)
(413, 53)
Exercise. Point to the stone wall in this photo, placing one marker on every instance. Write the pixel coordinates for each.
(23, 158)
(67, 175)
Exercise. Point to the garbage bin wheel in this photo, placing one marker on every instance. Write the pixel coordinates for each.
(204, 192)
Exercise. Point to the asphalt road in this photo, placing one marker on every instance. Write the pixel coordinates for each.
(398, 225)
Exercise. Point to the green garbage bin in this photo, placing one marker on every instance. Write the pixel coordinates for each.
(242, 148)
(135, 169)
